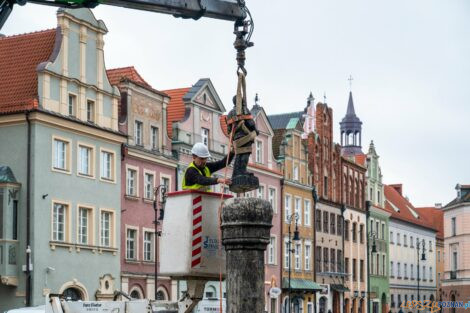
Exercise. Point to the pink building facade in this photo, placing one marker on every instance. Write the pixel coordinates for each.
(146, 163)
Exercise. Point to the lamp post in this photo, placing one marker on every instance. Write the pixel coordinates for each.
(420, 246)
(290, 250)
(159, 193)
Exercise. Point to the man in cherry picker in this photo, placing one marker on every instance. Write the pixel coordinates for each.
(198, 173)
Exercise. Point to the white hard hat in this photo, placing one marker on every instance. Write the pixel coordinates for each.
(200, 150)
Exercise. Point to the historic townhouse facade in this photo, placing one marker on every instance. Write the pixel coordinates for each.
(456, 280)
(146, 164)
(298, 285)
(60, 124)
(325, 165)
(410, 265)
(355, 220)
(378, 241)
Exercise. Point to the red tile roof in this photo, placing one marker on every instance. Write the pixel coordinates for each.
(19, 57)
(115, 75)
(361, 159)
(223, 124)
(176, 108)
(392, 196)
(435, 217)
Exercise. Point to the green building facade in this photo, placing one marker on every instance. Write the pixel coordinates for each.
(378, 231)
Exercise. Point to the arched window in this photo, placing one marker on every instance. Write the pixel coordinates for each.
(211, 292)
(322, 305)
(136, 292)
(73, 294)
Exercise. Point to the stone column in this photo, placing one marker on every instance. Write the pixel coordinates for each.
(246, 224)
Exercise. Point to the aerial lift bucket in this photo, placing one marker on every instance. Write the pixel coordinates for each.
(190, 236)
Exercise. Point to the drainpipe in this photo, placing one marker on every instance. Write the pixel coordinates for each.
(28, 214)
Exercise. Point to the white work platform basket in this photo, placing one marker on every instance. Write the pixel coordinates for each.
(190, 235)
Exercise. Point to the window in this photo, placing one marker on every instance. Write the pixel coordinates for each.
(298, 253)
(307, 213)
(438, 256)
(339, 225)
(430, 245)
(383, 231)
(59, 222)
(339, 261)
(361, 233)
(392, 274)
(354, 232)
(354, 268)
(398, 239)
(424, 272)
(154, 137)
(72, 105)
(272, 250)
(272, 199)
(405, 270)
(205, 136)
(131, 244)
(296, 172)
(318, 220)
(398, 270)
(332, 260)
(346, 230)
(325, 260)
(211, 292)
(287, 206)
(308, 248)
(149, 185)
(286, 253)
(454, 261)
(84, 225)
(106, 228)
(430, 273)
(411, 271)
(131, 182)
(61, 155)
(332, 223)
(138, 127)
(393, 300)
(318, 260)
(391, 237)
(346, 267)
(107, 165)
(148, 246)
(384, 270)
(454, 228)
(261, 192)
(325, 222)
(85, 160)
(377, 228)
(378, 197)
(411, 242)
(90, 111)
(361, 270)
(165, 181)
(325, 186)
(298, 209)
(405, 242)
(259, 151)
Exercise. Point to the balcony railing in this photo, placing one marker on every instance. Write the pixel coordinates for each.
(8, 262)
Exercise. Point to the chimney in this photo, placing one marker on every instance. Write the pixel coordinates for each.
(398, 188)
(438, 205)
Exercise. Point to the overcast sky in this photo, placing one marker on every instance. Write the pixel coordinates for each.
(410, 61)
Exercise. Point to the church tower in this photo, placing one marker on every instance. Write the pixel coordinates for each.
(351, 129)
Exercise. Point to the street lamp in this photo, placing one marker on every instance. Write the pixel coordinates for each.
(159, 193)
(420, 246)
(290, 250)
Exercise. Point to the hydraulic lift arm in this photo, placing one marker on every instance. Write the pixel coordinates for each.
(195, 9)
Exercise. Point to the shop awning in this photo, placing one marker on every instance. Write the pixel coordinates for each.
(339, 287)
(300, 284)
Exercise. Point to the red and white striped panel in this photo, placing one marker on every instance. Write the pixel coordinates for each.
(197, 232)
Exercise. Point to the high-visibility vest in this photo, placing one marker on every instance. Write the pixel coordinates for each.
(206, 173)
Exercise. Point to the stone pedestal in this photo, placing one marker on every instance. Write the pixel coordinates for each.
(246, 225)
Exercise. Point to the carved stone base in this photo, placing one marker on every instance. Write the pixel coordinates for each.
(244, 183)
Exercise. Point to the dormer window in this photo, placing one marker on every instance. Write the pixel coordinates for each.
(205, 136)
(90, 111)
(72, 105)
